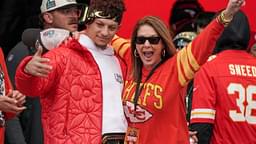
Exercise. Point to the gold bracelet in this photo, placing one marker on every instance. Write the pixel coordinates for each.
(221, 18)
(224, 17)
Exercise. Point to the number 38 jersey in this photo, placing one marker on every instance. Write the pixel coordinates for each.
(225, 96)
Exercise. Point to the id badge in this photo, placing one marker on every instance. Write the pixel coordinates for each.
(132, 136)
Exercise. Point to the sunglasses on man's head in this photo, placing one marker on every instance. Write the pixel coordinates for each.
(151, 40)
(70, 11)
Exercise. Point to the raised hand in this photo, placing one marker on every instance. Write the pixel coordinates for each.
(38, 66)
(233, 7)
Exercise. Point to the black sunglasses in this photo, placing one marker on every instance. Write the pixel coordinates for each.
(142, 40)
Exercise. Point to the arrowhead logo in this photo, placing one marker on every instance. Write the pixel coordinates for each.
(138, 116)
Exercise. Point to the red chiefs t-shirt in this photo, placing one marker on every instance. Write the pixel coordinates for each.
(160, 114)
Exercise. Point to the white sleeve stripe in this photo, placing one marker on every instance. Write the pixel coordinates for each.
(203, 113)
(204, 116)
(203, 110)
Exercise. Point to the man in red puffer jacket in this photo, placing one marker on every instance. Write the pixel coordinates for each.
(80, 82)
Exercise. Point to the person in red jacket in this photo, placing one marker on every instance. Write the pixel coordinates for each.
(156, 73)
(62, 14)
(11, 101)
(80, 92)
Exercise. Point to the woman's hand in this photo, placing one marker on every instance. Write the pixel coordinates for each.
(8, 104)
(232, 8)
(19, 97)
(192, 137)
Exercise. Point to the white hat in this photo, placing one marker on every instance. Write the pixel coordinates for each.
(48, 5)
(52, 37)
(183, 38)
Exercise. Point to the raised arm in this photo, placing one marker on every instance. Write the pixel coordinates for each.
(205, 42)
(190, 59)
(121, 46)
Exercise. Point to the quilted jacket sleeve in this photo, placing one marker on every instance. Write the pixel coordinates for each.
(33, 85)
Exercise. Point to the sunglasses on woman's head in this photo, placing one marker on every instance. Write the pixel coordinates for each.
(151, 40)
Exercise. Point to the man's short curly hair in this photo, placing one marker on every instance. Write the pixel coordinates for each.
(111, 9)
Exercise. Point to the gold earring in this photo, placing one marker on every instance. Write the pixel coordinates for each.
(136, 53)
(163, 53)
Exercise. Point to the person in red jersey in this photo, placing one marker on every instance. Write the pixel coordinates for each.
(156, 73)
(224, 98)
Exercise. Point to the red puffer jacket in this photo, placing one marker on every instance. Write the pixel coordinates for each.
(71, 95)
